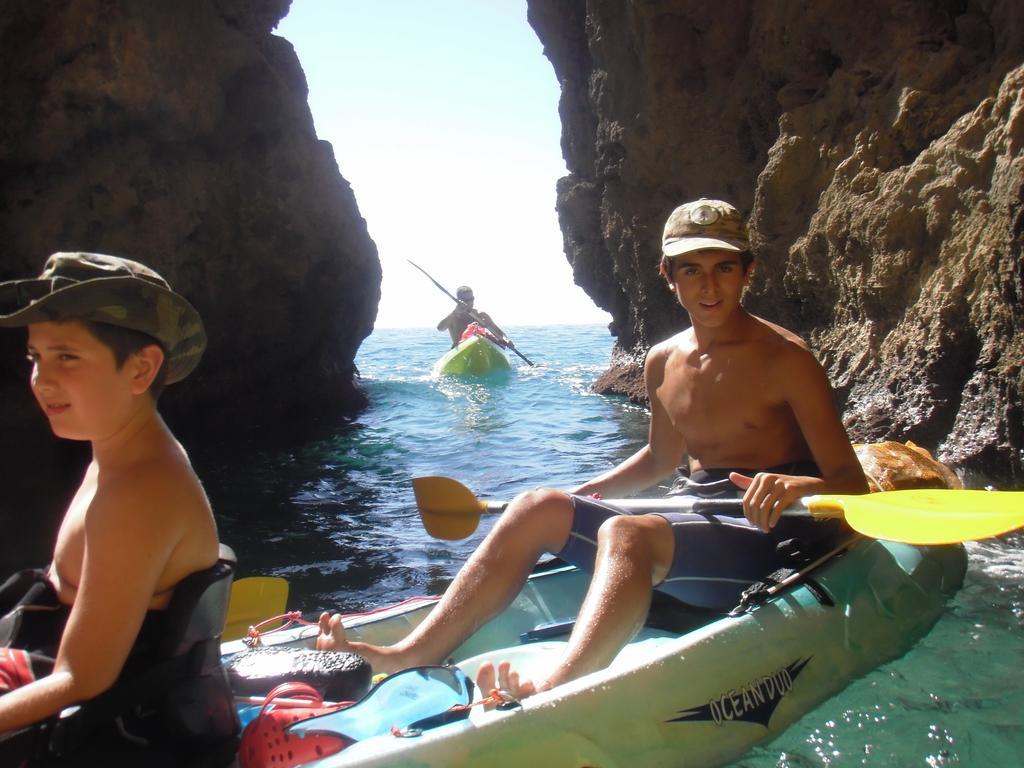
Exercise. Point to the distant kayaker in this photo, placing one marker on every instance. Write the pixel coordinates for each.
(464, 314)
(105, 335)
(748, 409)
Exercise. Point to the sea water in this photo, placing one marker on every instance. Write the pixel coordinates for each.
(334, 513)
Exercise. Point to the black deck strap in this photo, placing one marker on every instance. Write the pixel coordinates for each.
(819, 592)
(760, 591)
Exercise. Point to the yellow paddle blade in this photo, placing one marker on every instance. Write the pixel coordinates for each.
(448, 508)
(928, 516)
(253, 600)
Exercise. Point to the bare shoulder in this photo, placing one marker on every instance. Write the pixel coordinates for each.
(788, 360)
(164, 477)
(156, 506)
(683, 343)
(781, 340)
(782, 349)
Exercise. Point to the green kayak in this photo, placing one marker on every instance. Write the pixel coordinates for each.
(474, 356)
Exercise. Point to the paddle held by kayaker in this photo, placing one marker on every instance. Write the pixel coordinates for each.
(459, 319)
(105, 334)
(741, 403)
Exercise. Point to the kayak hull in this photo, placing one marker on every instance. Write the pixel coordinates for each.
(475, 356)
(683, 696)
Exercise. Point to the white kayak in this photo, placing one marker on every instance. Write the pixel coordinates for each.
(692, 689)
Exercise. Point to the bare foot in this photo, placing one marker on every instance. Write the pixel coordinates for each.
(507, 681)
(332, 638)
(332, 633)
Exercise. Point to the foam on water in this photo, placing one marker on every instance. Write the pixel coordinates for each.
(335, 514)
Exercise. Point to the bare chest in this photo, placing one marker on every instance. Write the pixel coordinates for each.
(69, 551)
(724, 407)
(707, 390)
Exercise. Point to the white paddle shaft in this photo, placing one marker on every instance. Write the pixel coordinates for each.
(800, 508)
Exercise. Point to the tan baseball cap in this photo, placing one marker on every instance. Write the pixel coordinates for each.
(704, 224)
(112, 290)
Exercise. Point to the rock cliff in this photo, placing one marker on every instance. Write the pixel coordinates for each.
(178, 134)
(877, 147)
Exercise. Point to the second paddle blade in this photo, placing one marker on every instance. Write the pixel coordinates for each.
(930, 516)
(448, 508)
(254, 599)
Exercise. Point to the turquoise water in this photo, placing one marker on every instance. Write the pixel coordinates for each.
(335, 515)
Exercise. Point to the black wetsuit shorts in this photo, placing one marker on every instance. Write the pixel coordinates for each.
(716, 556)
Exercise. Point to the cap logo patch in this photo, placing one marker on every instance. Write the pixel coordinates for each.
(704, 215)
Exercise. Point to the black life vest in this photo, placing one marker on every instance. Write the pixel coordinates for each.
(172, 699)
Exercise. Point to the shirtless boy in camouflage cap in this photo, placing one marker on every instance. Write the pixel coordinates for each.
(104, 335)
(740, 401)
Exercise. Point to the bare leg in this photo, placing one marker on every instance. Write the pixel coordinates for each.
(535, 522)
(633, 553)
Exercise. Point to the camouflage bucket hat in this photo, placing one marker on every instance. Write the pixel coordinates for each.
(704, 224)
(112, 290)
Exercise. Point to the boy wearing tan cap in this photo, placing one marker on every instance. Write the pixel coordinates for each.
(747, 407)
(104, 335)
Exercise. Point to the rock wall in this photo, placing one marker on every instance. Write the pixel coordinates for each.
(877, 147)
(178, 133)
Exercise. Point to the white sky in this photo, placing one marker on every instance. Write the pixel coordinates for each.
(444, 118)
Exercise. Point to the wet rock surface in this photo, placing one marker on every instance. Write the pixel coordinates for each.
(877, 149)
